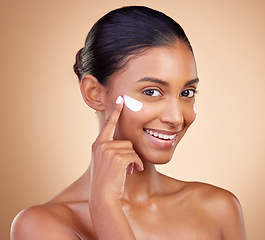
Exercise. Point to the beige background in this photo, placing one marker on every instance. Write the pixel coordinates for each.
(47, 130)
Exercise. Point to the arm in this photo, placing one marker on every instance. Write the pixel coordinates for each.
(111, 160)
(232, 220)
(36, 223)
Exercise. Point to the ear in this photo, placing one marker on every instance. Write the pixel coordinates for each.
(91, 89)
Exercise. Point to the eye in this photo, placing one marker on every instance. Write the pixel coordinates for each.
(189, 93)
(152, 92)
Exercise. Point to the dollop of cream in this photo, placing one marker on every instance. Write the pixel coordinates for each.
(133, 104)
(194, 108)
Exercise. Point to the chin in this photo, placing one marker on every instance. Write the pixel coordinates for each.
(161, 162)
(155, 157)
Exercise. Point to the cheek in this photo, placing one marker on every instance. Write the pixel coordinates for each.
(127, 124)
(190, 114)
(130, 124)
(136, 118)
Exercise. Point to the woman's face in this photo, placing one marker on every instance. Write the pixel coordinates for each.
(164, 79)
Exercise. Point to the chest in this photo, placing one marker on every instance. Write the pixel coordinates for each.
(158, 223)
(153, 223)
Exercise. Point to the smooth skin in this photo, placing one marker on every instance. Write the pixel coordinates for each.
(121, 195)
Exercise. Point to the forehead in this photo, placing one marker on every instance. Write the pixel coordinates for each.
(174, 63)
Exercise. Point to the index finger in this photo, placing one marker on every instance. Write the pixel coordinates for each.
(108, 130)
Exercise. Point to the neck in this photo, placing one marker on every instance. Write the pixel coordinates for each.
(141, 186)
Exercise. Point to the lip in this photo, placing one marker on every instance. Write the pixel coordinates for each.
(162, 131)
(161, 143)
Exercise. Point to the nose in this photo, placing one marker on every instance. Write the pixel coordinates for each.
(172, 113)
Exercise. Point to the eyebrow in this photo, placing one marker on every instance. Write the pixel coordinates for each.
(196, 80)
(154, 80)
(164, 83)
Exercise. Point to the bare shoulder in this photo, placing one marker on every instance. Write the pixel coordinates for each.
(214, 198)
(210, 194)
(221, 205)
(207, 194)
(42, 222)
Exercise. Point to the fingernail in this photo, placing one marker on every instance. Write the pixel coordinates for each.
(119, 100)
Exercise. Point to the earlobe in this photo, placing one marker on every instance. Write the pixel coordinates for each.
(90, 89)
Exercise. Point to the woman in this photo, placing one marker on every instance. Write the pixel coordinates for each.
(138, 71)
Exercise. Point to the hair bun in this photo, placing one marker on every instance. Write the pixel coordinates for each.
(77, 64)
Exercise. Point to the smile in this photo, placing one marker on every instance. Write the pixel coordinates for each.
(160, 135)
(161, 138)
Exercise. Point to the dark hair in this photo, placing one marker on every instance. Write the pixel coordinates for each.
(122, 33)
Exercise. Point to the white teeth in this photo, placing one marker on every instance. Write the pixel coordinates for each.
(171, 137)
(160, 135)
(166, 136)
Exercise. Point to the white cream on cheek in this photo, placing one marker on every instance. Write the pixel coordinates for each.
(133, 104)
(194, 108)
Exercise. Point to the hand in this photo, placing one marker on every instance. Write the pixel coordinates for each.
(111, 160)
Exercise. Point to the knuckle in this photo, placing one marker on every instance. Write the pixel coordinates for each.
(121, 160)
(103, 146)
(111, 153)
(128, 143)
(94, 146)
(119, 157)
